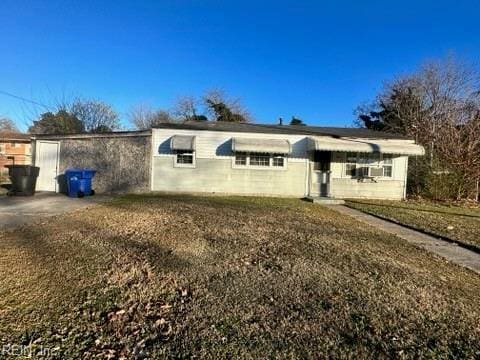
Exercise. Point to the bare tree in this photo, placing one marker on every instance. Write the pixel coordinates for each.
(186, 108)
(447, 122)
(96, 115)
(144, 117)
(439, 106)
(7, 124)
(224, 108)
(457, 145)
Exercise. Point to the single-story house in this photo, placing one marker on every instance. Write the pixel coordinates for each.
(234, 158)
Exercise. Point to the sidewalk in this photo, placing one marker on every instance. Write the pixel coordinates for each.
(449, 251)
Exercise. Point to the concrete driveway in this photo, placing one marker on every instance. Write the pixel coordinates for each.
(19, 210)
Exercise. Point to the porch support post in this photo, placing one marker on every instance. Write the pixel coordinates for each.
(329, 173)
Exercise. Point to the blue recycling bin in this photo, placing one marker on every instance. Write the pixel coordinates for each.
(79, 182)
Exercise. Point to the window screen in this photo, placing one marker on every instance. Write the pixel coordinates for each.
(278, 160)
(184, 157)
(240, 159)
(259, 159)
(387, 165)
(350, 164)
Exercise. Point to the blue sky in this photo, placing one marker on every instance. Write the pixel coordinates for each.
(315, 60)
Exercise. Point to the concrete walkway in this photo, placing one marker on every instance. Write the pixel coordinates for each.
(449, 251)
(19, 210)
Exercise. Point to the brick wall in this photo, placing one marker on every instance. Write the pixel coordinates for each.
(20, 151)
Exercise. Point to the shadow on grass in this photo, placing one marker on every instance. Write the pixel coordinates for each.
(414, 209)
(464, 244)
(212, 201)
(63, 257)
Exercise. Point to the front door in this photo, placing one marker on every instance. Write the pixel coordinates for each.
(46, 158)
(320, 173)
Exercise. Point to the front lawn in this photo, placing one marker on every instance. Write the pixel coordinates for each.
(183, 276)
(456, 222)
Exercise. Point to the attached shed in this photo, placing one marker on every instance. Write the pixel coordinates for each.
(122, 160)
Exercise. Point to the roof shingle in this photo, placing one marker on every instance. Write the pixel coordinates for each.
(281, 129)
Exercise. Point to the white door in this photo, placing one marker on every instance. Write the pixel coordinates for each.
(46, 158)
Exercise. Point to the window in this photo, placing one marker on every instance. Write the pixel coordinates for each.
(241, 159)
(184, 158)
(357, 165)
(256, 160)
(259, 160)
(350, 164)
(278, 161)
(387, 165)
(371, 159)
(367, 160)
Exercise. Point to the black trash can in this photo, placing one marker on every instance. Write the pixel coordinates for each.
(23, 178)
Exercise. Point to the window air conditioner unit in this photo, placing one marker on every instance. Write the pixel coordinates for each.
(375, 171)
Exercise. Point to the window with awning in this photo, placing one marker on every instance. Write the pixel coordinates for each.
(265, 146)
(362, 165)
(182, 142)
(184, 149)
(258, 153)
(397, 147)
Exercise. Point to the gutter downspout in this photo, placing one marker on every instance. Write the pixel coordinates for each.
(405, 179)
(152, 143)
(307, 175)
(33, 150)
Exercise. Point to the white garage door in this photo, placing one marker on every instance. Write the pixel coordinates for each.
(46, 158)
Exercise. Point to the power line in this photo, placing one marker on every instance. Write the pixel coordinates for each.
(24, 99)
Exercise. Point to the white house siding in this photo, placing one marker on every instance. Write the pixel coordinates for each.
(342, 186)
(214, 170)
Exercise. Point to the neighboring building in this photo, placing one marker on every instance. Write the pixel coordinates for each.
(247, 159)
(15, 148)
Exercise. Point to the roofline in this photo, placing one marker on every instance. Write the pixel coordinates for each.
(363, 138)
(259, 128)
(290, 130)
(26, 140)
(264, 127)
(6, 135)
(302, 131)
(113, 134)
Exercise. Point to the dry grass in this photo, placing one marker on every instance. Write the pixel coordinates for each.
(456, 221)
(171, 276)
